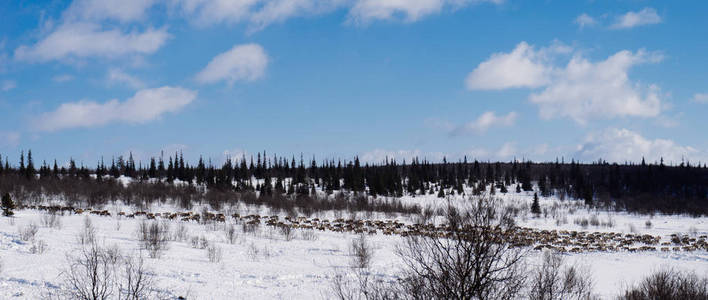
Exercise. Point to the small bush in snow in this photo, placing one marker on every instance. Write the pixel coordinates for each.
(582, 222)
(230, 232)
(88, 233)
(252, 252)
(214, 253)
(286, 231)
(669, 285)
(553, 281)
(594, 221)
(308, 235)
(180, 233)
(647, 224)
(51, 220)
(38, 247)
(28, 232)
(154, 237)
(361, 252)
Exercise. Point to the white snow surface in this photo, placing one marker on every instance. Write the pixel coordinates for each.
(300, 268)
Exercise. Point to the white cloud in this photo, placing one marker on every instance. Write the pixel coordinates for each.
(580, 90)
(700, 98)
(81, 40)
(584, 90)
(146, 105)
(257, 13)
(365, 11)
(243, 62)
(62, 78)
(632, 19)
(380, 155)
(585, 20)
(8, 85)
(620, 145)
(9, 139)
(120, 77)
(485, 121)
(119, 10)
(522, 67)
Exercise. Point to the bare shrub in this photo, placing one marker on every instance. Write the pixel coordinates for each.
(88, 233)
(648, 224)
(286, 231)
(28, 232)
(51, 220)
(137, 280)
(361, 252)
(89, 275)
(38, 247)
(359, 284)
(308, 235)
(471, 263)
(669, 285)
(553, 281)
(230, 232)
(154, 237)
(632, 228)
(249, 228)
(594, 221)
(582, 222)
(252, 252)
(214, 253)
(180, 233)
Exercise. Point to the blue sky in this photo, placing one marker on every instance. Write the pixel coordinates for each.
(492, 80)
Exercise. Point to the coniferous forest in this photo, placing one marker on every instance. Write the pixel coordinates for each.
(289, 182)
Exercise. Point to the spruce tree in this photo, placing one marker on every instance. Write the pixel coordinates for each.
(7, 205)
(535, 207)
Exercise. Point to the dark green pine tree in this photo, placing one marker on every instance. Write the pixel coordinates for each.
(30, 170)
(7, 205)
(535, 206)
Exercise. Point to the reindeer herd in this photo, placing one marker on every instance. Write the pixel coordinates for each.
(557, 240)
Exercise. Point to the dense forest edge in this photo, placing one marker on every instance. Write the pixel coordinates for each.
(287, 183)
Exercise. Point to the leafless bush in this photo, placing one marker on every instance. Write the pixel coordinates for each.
(249, 228)
(286, 231)
(214, 253)
(28, 232)
(471, 263)
(38, 247)
(51, 220)
(361, 252)
(359, 284)
(89, 275)
(553, 281)
(154, 237)
(648, 224)
(632, 228)
(582, 222)
(103, 273)
(230, 232)
(137, 281)
(88, 233)
(308, 235)
(594, 221)
(180, 233)
(252, 252)
(669, 285)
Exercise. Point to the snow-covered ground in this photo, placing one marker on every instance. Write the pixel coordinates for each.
(266, 265)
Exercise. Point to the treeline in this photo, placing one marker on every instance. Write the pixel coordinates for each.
(644, 187)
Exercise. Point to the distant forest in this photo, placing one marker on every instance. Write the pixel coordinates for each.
(287, 183)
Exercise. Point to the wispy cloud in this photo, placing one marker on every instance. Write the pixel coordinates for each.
(484, 122)
(585, 20)
(646, 16)
(241, 63)
(146, 105)
(117, 76)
